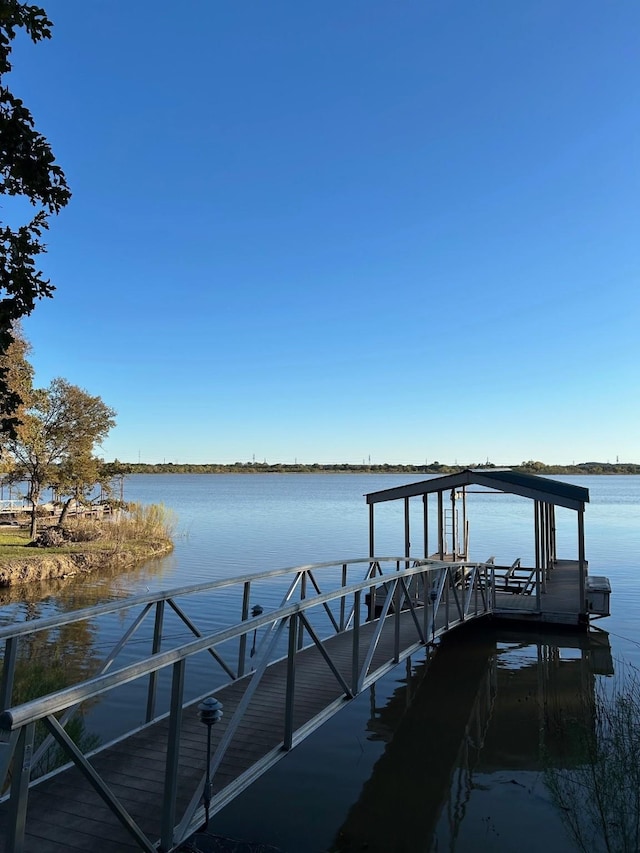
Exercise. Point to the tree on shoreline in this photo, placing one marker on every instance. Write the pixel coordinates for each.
(27, 170)
(54, 443)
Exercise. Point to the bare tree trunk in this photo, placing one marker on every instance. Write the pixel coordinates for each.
(34, 520)
(65, 510)
(34, 497)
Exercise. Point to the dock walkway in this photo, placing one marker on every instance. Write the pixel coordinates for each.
(66, 814)
(146, 790)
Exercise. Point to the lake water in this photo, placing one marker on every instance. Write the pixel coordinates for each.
(439, 756)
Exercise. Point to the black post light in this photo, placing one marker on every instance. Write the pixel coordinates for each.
(209, 712)
(256, 610)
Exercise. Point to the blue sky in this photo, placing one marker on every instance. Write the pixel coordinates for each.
(334, 231)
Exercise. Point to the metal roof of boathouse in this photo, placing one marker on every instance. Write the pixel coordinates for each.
(531, 486)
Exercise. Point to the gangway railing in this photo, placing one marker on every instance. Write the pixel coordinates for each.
(11, 505)
(435, 595)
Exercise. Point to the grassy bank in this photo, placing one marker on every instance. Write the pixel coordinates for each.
(123, 540)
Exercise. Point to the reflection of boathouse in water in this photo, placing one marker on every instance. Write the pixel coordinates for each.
(464, 713)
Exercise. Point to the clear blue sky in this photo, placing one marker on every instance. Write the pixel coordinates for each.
(331, 231)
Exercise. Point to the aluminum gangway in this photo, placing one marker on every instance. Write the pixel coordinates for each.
(322, 642)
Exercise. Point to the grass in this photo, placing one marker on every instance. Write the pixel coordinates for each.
(13, 541)
(133, 530)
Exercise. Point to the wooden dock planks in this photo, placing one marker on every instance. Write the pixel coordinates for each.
(560, 604)
(66, 813)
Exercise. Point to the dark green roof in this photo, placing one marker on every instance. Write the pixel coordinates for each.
(503, 480)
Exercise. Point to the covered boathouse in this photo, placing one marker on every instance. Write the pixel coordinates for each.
(553, 589)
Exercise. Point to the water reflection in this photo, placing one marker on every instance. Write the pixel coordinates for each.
(488, 711)
(27, 601)
(55, 658)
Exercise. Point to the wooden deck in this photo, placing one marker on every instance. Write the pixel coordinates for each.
(560, 604)
(66, 814)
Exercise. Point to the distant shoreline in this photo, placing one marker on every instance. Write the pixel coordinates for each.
(582, 469)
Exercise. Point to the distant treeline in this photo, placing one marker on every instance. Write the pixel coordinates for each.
(530, 467)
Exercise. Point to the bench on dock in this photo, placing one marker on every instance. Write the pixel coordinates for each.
(513, 578)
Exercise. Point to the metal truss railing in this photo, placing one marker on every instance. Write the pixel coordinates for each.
(435, 595)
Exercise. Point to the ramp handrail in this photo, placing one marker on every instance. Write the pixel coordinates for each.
(436, 594)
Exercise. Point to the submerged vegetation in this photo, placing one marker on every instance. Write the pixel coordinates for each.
(598, 790)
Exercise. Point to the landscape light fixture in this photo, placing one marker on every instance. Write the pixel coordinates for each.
(209, 712)
(256, 610)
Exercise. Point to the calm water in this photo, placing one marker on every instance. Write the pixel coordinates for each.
(463, 769)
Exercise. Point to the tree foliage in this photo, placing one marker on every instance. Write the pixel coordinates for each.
(28, 170)
(54, 442)
(17, 371)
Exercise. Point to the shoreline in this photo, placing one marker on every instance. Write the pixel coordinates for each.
(585, 469)
(42, 566)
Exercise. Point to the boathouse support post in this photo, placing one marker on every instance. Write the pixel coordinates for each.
(454, 531)
(536, 514)
(242, 653)
(155, 648)
(291, 682)
(581, 562)
(544, 518)
(543, 556)
(371, 532)
(407, 532)
(372, 591)
(173, 757)
(546, 539)
(440, 526)
(425, 522)
(425, 540)
(536, 535)
(549, 539)
(465, 529)
(20, 789)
